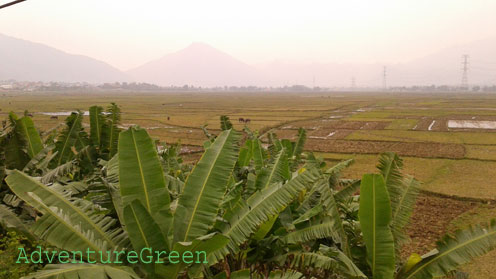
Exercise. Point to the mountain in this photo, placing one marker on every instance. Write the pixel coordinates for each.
(27, 61)
(200, 65)
(443, 67)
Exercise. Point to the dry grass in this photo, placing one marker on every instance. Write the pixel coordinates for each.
(426, 136)
(481, 152)
(402, 124)
(451, 177)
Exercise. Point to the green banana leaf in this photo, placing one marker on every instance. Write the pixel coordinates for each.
(247, 217)
(141, 175)
(26, 127)
(375, 219)
(258, 154)
(329, 202)
(77, 210)
(453, 251)
(142, 229)
(94, 271)
(14, 150)
(69, 138)
(10, 220)
(404, 209)
(204, 245)
(310, 232)
(277, 171)
(110, 133)
(205, 188)
(245, 153)
(298, 147)
(59, 230)
(97, 122)
(348, 190)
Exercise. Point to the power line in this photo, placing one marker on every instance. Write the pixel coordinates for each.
(353, 83)
(465, 58)
(11, 3)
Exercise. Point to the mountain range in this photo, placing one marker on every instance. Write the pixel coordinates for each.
(202, 65)
(27, 61)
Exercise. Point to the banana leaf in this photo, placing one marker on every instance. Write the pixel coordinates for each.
(205, 188)
(375, 219)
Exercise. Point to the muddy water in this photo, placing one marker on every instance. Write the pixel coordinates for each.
(432, 124)
(62, 113)
(67, 113)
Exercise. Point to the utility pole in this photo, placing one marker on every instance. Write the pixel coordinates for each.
(465, 58)
(313, 82)
(384, 79)
(353, 83)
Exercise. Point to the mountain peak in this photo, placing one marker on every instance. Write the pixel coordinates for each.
(199, 45)
(200, 48)
(199, 64)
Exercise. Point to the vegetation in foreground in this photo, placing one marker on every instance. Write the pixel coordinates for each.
(256, 212)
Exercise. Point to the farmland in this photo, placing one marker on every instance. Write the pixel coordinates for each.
(459, 162)
(339, 125)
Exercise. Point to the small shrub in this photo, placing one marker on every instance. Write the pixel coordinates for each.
(9, 244)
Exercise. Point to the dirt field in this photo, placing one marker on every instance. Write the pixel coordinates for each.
(413, 149)
(431, 220)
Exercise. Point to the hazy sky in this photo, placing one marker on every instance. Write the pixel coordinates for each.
(128, 33)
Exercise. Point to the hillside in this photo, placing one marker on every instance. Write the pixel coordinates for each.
(27, 61)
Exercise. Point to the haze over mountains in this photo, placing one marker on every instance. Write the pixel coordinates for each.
(27, 61)
(443, 67)
(202, 65)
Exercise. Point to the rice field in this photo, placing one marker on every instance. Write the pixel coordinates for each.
(456, 161)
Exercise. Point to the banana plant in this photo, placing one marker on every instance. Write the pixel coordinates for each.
(256, 212)
(19, 142)
(104, 129)
(299, 223)
(385, 204)
(148, 218)
(70, 150)
(225, 123)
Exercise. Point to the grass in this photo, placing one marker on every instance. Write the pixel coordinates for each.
(371, 114)
(481, 152)
(189, 111)
(367, 119)
(451, 177)
(184, 109)
(478, 138)
(402, 124)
